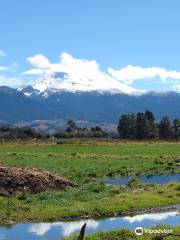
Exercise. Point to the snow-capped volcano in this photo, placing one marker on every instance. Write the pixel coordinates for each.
(73, 75)
(61, 81)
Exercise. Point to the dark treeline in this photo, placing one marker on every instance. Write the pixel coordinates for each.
(144, 126)
(141, 126)
(73, 131)
(8, 133)
(22, 133)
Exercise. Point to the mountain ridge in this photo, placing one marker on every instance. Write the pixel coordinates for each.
(89, 106)
(60, 81)
(96, 105)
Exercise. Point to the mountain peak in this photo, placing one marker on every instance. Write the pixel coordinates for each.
(62, 81)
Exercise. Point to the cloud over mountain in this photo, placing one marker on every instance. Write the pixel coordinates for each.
(79, 75)
(39, 61)
(130, 73)
(88, 73)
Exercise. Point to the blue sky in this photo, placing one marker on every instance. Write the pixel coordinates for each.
(114, 33)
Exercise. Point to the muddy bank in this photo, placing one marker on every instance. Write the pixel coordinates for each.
(14, 180)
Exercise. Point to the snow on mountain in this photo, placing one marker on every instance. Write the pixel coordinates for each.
(73, 75)
(61, 81)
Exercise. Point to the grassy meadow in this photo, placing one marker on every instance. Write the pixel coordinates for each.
(129, 235)
(84, 163)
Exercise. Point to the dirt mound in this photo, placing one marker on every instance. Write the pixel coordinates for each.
(14, 180)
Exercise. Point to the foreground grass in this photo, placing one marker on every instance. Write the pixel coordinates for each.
(129, 235)
(84, 163)
(87, 201)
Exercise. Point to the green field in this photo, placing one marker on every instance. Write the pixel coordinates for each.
(129, 235)
(84, 163)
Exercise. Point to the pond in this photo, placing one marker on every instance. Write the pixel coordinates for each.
(159, 179)
(53, 230)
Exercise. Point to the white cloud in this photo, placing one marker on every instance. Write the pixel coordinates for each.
(177, 87)
(39, 61)
(76, 67)
(10, 81)
(3, 68)
(130, 73)
(7, 72)
(2, 53)
(12, 68)
(86, 75)
(34, 71)
(81, 75)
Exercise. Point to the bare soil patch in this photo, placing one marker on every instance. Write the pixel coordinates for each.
(14, 180)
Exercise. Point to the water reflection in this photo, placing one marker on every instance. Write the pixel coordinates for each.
(2, 236)
(150, 216)
(159, 179)
(67, 228)
(41, 231)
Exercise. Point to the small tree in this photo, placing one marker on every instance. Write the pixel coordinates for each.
(152, 126)
(71, 126)
(96, 129)
(142, 126)
(176, 129)
(126, 126)
(165, 130)
(146, 128)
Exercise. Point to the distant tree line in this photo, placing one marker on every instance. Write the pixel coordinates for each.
(144, 126)
(20, 133)
(141, 126)
(73, 131)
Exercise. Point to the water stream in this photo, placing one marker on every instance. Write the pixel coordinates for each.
(53, 230)
(158, 179)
